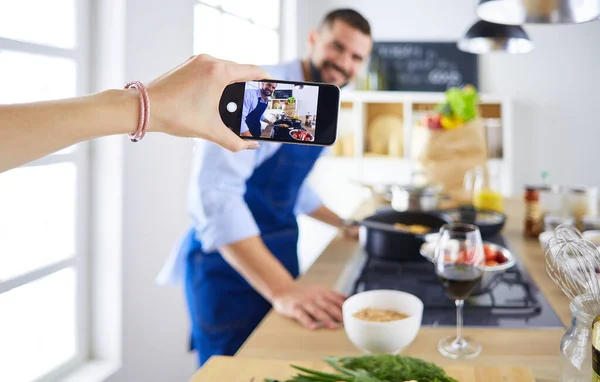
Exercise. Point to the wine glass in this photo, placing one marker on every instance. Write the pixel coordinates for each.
(459, 264)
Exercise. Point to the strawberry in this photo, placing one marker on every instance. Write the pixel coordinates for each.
(491, 263)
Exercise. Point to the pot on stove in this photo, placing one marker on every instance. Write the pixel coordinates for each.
(393, 244)
(416, 198)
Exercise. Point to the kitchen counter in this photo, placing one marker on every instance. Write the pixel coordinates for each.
(281, 338)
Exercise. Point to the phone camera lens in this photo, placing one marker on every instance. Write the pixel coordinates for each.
(231, 107)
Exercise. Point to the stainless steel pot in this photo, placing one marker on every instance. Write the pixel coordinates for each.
(416, 198)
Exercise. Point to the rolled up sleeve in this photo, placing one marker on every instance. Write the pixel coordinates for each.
(216, 201)
(308, 200)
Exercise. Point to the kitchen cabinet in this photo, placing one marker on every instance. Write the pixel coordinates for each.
(382, 134)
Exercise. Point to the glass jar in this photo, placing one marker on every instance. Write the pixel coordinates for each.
(576, 347)
(481, 186)
(591, 223)
(534, 223)
(552, 199)
(582, 201)
(551, 222)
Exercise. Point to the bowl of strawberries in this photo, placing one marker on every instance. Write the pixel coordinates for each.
(497, 260)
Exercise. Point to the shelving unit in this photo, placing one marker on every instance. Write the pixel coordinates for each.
(367, 161)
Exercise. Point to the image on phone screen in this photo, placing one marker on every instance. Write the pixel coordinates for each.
(280, 111)
(304, 113)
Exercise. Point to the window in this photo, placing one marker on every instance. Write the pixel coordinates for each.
(43, 204)
(245, 31)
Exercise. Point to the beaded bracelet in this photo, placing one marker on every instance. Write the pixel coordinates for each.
(144, 111)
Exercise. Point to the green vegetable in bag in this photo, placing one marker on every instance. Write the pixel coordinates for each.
(463, 102)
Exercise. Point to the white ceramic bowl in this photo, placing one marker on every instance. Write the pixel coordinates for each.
(383, 337)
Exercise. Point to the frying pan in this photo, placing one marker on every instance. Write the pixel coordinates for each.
(380, 239)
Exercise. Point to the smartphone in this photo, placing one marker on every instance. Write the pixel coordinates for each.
(282, 111)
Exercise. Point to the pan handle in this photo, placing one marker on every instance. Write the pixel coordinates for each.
(388, 228)
(375, 225)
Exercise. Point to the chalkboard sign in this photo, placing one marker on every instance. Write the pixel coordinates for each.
(282, 94)
(422, 66)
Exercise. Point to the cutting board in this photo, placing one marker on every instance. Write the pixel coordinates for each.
(236, 369)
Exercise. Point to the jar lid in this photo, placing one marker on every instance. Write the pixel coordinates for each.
(543, 187)
(581, 189)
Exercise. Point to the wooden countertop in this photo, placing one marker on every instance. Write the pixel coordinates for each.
(281, 338)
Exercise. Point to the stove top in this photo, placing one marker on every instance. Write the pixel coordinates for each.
(514, 301)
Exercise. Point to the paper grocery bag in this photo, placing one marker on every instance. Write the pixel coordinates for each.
(448, 154)
(290, 109)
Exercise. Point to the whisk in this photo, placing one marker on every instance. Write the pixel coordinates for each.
(573, 263)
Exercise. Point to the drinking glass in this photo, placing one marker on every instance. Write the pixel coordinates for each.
(459, 264)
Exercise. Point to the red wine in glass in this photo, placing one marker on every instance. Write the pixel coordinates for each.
(459, 265)
(459, 280)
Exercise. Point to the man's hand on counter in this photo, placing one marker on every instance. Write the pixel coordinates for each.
(310, 305)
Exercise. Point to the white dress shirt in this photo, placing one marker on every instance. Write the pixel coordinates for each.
(251, 99)
(216, 202)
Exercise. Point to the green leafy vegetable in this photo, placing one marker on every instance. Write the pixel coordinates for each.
(444, 109)
(463, 102)
(391, 368)
(373, 368)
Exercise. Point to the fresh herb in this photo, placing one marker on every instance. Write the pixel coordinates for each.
(373, 368)
(391, 368)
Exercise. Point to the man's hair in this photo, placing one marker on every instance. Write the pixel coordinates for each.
(350, 17)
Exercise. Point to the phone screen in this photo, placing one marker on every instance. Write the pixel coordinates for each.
(282, 111)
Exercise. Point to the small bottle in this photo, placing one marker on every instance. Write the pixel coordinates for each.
(596, 350)
(533, 213)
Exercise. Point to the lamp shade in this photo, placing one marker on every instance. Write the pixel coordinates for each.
(485, 37)
(518, 12)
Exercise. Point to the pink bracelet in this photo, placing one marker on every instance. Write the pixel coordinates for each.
(144, 110)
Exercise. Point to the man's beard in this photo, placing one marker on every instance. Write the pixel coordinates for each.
(316, 75)
(264, 93)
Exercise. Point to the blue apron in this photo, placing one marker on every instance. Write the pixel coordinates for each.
(254, 117)
(224, 308)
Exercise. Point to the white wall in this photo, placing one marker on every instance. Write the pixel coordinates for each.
(155, 324)
(555, 87)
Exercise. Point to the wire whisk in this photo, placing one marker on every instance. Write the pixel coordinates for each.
(573, 263)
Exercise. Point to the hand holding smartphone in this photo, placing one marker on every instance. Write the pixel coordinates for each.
(282, 111)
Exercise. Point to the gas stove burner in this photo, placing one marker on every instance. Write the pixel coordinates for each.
(512, 300)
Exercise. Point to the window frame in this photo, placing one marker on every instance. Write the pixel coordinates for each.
(79, 156)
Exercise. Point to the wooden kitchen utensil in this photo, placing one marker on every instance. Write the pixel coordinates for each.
(234, 369)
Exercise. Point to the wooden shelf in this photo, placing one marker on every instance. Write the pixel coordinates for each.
(361, 110)
(384, 129)
(346, 105)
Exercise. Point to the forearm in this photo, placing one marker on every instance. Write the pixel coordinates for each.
(263, 271)
(30, 131)
(327, 216)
